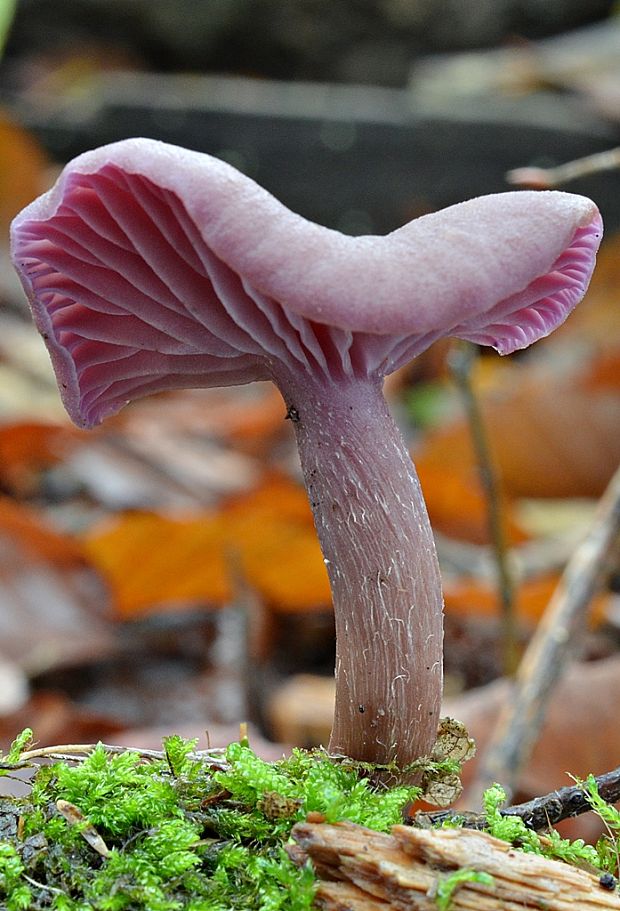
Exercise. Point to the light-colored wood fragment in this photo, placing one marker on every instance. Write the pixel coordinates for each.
(346, 897)
(361, 870)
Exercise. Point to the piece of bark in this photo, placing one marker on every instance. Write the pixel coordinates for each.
(362, 870)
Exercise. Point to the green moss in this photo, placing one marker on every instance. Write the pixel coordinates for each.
(448, 884)
(187, 831)
(551, 844)
(309, 781)
(608, 845)
(18, 746)
(11, 883)
(177, 831)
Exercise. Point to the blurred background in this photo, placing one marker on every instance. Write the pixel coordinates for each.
(161, 574)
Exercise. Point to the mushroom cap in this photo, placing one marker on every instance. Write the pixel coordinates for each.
(149, 266)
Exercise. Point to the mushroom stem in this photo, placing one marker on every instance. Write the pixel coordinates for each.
(378, 546)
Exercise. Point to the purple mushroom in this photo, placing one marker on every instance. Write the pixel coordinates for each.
(150, 267)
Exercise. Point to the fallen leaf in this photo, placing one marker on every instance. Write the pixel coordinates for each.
(549, 436)
(604, 373)
(273, 530)
(456, 502)
(453, 742)
(75, 817)
(55, 719)
(578, 737)
(151, 561)
(27, 448)
(27, 530)
(23, 166)
(49, 598)
(480, 598)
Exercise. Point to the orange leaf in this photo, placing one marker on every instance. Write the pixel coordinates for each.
(151, 560)
(29, 531)
(27, 448)
(474, 598)
(604, 373)
(22, 170)
(276, 495)
(280, 553)
(456, 503)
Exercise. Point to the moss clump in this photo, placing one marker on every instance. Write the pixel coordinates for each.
(602, 858)
(207, 831)
(202, 832)
(450, 882)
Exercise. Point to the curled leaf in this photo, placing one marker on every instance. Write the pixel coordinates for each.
(453, 742)
(75, 817)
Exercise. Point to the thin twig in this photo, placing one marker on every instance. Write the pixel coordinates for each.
(541, 812)
(72, 752)
(565, 802)
(556, 639)
(461, 361)
(547, 178)
(43, 886)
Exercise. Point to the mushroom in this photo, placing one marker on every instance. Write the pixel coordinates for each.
(150, 267)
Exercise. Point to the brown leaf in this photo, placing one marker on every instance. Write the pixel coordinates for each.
(50, 599)
(550, 435)
(453, 742)
(579, 735)
(27, 531)
(75, 817)
(55, 719)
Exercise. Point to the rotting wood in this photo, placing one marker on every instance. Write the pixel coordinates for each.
(362, 870)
